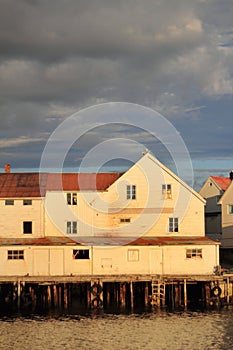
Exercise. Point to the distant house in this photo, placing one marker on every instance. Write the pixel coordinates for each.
(226, 203)
(145, 221)
(212, 191)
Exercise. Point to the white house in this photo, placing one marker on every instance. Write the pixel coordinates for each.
(145, 221)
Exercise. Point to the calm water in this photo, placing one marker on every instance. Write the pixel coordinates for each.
(160, 330)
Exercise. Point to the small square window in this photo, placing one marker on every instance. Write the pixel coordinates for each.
(230, 209)
(27, 227)
(125, 219)
(27, 202)
(15, 255)
(9, 202)
(133, 255)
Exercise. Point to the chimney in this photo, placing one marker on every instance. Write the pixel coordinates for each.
(231, 175)
(7, 168)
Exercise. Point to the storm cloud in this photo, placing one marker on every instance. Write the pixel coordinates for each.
(57, 57)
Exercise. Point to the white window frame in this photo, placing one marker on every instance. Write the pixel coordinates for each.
(230, 209)
(194, 253)
(131, 192)
(71, 227)
(133, 255)
(167, 191)
(173, 225)
(27, 202)
(9, 202)
(71, 198)
(15, 254)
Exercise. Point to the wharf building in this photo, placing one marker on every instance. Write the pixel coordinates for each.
(114, 238)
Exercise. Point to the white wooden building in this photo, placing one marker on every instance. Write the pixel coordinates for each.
(145, 221)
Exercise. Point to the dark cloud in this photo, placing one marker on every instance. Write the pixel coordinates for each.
(57, 57)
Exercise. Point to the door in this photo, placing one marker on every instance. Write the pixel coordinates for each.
(56, 262)
(41, 262)
(156, 264)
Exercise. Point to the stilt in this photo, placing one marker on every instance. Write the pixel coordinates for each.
(131, 295)
(18, 294)
(228, 292)
(65, 296)
(146, 294)
(185, 295)
(207, 295)
(49, 295)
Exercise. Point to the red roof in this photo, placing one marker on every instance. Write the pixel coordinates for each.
(18, 185)
(45, 241)
(108, 241)
(222, 182)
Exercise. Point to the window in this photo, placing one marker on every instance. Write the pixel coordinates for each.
(133, 255)
(27, 227)
(131, 192)
(15, 255)
(80, 254)
(173, 225)
(27, 202)
(9, 202)
(71, 227)
(167, 191)
(193, 253)
(71, 198)
(230, 209)
(125, 219)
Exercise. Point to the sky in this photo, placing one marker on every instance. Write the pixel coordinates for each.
(173, 56)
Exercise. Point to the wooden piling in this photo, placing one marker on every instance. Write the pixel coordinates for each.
(131, 295)
(185, 295)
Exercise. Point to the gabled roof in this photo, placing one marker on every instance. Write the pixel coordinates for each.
(23, 185)
(222, 182)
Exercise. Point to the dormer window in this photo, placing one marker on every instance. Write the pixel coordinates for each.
(71, 198)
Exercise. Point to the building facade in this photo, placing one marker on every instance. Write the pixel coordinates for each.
(143, 221)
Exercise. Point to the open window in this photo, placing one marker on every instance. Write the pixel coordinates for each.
(81, 254)
(27, 227)
(71, 198)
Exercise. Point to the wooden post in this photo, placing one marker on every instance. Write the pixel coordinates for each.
(228, 294)
(146, 294)
(207, 294)
(108, 293)
(55, 301)
(49, 295)
(18, 294)
(122, 294)
(185, 295)
(131, 295)
(176, 295)
(65, 296)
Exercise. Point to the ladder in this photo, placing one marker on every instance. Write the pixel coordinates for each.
(158, 293)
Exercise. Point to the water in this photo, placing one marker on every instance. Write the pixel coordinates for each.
(149, 331)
